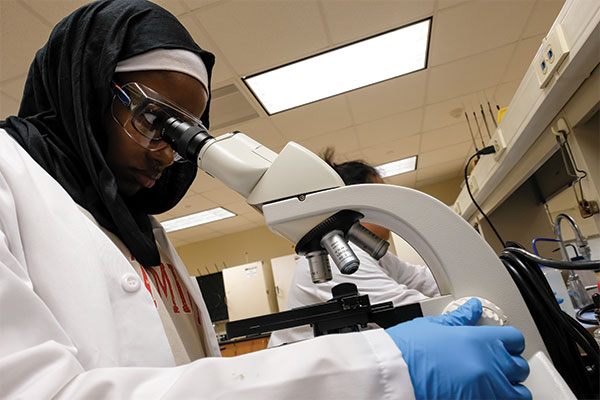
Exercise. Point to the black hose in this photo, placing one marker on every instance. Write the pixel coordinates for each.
(564, 338)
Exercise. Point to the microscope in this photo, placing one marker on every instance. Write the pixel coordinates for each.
(304, 200)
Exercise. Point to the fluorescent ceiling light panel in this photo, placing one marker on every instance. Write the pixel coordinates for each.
(203, 217)
(356, 65)
(397, 167)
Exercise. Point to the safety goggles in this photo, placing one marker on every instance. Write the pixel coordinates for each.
(147, 111)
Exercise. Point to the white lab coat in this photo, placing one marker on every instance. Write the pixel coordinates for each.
(74, 324)
(389, 279)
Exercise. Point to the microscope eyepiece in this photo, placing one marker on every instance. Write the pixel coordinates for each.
(185, 138)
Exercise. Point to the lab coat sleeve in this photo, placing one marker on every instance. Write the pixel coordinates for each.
(36, 356)
(416, 277)
(350, 366)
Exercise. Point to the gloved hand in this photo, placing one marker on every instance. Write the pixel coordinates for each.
(448, 359)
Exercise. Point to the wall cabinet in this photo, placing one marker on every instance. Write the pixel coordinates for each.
(249, 291)
(283, 274)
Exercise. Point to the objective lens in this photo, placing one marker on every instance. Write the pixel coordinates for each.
(318, 262)
(340, 252)
(368, 241)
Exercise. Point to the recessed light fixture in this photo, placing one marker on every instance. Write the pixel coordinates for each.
(203, 217)
(397, 167)
(340, 70)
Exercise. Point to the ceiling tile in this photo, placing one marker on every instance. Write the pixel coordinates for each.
(235, 224)
(386, 98)
(222, 196)
(18, 23)
(442, 170)
(468, 74)
(175, 7)
(435, 179)
(444, 137)
(195, 232)
(448, 112)
(164, 216)
(390, 129)
(238, 227)
(255, 35)
(313, 119)
(177, 242)
(522, 58)
(543, 16)
(407, 179)
(222, 71)
(392, 151)
(351, 156)
(241, 208)
(204, 183)
(351, 20)
(53, 11)
(8, 106)
(451, 153)
(342, 141)
(503, 94)
(475, 27)
(190, 204)
(449, 3)
(254, 217)
(196, 4)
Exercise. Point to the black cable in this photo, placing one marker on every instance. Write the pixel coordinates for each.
(485, 150)
(563, 336)
(583, 310)
(576, 265)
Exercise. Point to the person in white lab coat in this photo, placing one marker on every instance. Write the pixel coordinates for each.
(94, 301)
(387, 279)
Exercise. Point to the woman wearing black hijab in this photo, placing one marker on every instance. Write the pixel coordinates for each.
(94, 301)
(92, 293)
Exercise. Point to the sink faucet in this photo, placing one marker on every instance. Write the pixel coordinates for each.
(581, 241)
(578, 293)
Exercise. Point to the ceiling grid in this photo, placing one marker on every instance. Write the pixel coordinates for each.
(479, 52)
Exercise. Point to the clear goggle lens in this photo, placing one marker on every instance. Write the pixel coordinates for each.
(147, 112)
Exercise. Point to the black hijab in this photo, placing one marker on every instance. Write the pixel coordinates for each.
(68, 93)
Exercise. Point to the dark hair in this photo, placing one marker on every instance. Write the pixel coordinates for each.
(351, 172)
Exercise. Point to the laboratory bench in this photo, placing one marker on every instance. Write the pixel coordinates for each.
(238, 346)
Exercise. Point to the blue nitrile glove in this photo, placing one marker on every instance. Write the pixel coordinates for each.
(559, 299)
(449, 359)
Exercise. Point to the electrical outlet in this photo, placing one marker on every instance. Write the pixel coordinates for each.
(498, 143)
(551, 54)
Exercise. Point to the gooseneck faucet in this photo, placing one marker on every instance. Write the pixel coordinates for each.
(578, 293)
(581, 241)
